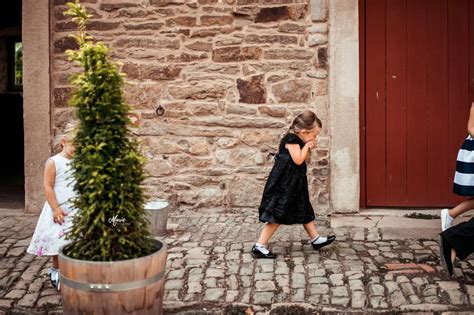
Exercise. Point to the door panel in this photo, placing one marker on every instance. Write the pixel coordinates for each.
(375, 101)
(395, 78)
(418, 88)
(437, 110)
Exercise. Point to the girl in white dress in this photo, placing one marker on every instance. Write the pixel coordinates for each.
(56, 217)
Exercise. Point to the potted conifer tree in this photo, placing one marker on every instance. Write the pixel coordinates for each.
(112, 264)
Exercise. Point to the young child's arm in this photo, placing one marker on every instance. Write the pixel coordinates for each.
(470, 124)
(297, 154)
(48, 182)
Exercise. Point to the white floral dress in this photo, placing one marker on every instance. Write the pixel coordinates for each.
(49, 236)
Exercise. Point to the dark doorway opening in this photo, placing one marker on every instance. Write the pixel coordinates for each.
(12, 177)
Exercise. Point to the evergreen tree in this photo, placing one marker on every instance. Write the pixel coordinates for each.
(111, 222)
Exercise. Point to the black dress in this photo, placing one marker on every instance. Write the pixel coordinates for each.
(461, 238)
(285, 198)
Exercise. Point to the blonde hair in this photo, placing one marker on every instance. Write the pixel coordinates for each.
(68, 133)
(305, 120)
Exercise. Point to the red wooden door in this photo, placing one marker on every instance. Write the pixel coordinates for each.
(417, 85)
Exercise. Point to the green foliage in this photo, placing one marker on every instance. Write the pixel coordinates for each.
(107, 166)
(18, 64)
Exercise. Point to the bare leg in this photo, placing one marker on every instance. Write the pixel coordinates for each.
(310, 228)
(453, 255)
(267, 233)
(55, 262)
(464, 206)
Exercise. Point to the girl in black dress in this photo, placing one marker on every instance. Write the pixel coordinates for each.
(285, 198)
(458, 241)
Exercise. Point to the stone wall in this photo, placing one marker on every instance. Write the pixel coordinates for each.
(217, 83)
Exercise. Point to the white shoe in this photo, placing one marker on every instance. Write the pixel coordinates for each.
(446, 220)
(53, 275)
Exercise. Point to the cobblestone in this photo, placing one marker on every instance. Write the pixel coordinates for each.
(212, 268)
(397, 299)
(15, 294)
(214, 295)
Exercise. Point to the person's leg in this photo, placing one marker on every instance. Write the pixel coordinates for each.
(464, 206)
(310, 228)
(267, 233)
(259, 250)
(53, 273)
(448, 216)
(55, 262)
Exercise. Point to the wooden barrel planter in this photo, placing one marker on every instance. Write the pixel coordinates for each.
(133, 286)
(157, 213)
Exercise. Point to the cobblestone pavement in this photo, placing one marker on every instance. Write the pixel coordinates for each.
(210, 271)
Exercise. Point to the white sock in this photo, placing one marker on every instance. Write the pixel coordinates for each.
(52, 270)
(319, 239)
(262, 248)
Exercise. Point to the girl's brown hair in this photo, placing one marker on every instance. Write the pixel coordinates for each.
(306, 120)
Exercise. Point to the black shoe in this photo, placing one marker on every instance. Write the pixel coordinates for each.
(256, 253)
(328, 241)
(445, 254)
